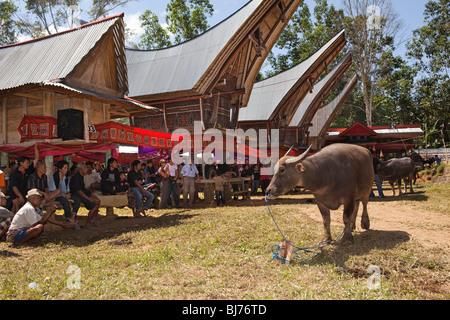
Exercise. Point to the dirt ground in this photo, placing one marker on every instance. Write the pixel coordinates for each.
(430, 229)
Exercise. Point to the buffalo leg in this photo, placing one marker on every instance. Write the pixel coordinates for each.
(355, 214)
(349, 209)
(392, 186)
(411, 177)
(325, 212)
(399, 182)
(365, 221)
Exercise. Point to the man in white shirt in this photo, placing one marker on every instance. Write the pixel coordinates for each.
(188, 175)
(29, 221)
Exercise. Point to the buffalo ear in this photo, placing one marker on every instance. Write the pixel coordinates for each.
(300, 167)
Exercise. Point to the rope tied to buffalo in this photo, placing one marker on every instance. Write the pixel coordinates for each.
(299, 252)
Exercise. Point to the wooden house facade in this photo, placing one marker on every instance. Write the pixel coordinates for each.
(82, 69)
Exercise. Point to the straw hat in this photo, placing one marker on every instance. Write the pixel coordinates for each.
(33, 192)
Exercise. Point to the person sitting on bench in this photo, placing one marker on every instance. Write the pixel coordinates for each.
(135, 179)
(38, 180)
(60, 181)
(110, 180)
(81, 194)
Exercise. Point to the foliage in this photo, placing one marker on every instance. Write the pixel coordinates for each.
(51, 16)
(7, 24)
(428, 51)
(185, 20)
(155, 36)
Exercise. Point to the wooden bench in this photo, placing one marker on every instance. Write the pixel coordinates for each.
(106, 201)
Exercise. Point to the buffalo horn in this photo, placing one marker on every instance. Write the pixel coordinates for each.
(299, 158)
(289, 151)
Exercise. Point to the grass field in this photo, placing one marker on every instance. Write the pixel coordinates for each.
(224, 253)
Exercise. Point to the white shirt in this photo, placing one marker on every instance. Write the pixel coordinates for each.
(172, 169)
(26, 217)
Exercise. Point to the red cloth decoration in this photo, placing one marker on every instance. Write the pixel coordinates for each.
(116, 132)
(37, 128)
(47, 149)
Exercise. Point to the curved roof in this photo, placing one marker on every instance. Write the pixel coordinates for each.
(51, 57)
(270, 95)
(192, 67)
(325, 115)
(310, 103)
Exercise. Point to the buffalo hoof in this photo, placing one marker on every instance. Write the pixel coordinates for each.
(365, 225)
(326, 239)
(347, 239)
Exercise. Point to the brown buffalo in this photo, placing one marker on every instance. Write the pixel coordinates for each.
(340, 174)
(394, 170)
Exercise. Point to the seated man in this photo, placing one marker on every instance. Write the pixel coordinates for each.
(92, 178)
(80, 194)
(6, 216)
(38, 180)
(110, 181)
(60, 181)
(135, 180)
(29, 221)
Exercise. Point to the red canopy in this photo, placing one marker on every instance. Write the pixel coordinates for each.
(87, 150)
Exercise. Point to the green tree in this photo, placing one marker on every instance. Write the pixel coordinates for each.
(185, 20)
(394, 95)
(51, 16)
(7, 24)
(428, 51)
(371, 31)
(155, 36)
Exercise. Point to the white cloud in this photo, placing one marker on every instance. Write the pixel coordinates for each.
(134, 24)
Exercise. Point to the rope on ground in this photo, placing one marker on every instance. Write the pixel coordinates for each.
(277, 249)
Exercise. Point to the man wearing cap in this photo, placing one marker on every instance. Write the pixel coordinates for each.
(6, 216)
(29, 221)
(188, 175)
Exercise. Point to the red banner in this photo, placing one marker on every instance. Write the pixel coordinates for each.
(120, 133)
(37, 128)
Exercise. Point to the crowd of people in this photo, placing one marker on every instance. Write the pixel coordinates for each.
(26, 190)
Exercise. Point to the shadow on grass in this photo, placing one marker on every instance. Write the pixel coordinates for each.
(110, 228)
(364, 243)
(7, 254)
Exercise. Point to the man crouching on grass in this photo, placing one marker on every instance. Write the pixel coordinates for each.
(29, 221)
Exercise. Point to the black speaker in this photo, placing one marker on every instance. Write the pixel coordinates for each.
(70, 124)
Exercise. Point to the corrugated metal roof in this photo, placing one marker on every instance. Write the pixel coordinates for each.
(319, 90)
(269, 93)
(51, 57)
(322, 118)
(180, 67)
